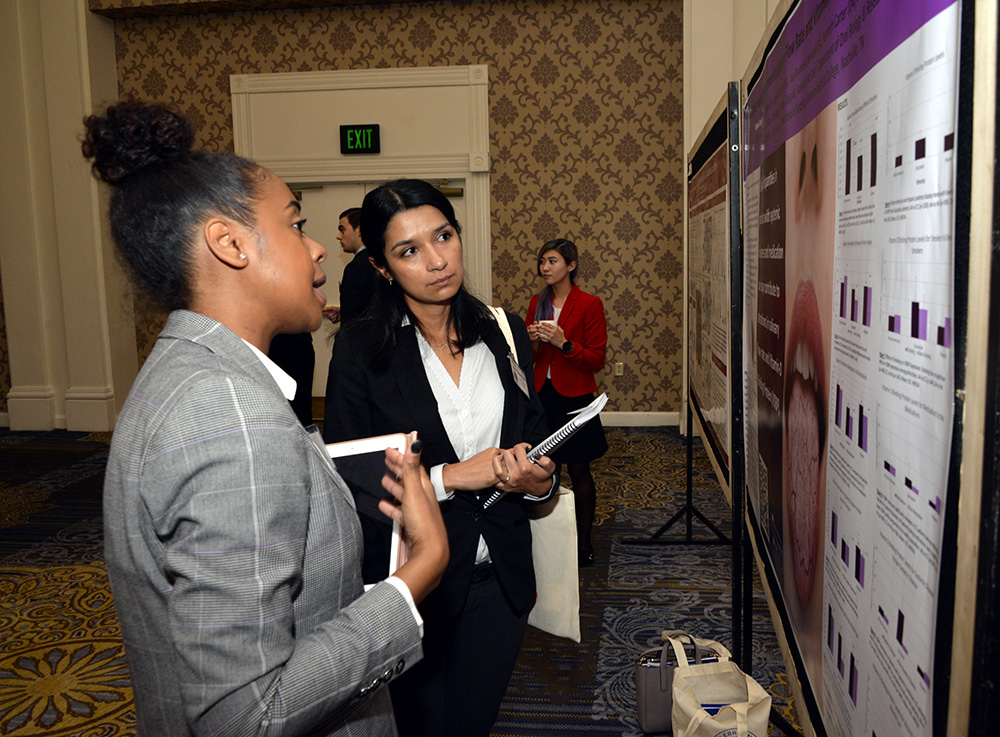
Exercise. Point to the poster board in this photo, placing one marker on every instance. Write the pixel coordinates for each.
(714, 287)
(713, 211)
(849, 170)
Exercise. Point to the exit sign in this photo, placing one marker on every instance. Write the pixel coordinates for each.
(359, 139)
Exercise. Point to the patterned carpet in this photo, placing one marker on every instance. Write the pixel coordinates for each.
(62, 665)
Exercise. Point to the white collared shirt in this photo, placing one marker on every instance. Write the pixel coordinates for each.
(285, 382)
(472, 412)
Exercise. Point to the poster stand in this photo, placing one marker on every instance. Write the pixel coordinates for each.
(688, 511)
(713, 166)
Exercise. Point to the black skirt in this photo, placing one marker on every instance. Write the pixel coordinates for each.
(588, 443)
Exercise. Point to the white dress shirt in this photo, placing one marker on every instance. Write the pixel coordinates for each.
(472, 412)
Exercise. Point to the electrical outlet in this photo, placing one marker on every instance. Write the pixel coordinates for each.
(619, 369)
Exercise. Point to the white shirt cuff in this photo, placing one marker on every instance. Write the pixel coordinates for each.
(529, 497)
(437, 481)
(405, 591)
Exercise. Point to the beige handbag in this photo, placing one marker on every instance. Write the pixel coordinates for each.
(553, 550)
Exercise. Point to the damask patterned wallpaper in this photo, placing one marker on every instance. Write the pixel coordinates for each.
(4, 359)
(585, 135)
(147, 8)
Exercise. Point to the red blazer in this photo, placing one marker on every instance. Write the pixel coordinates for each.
(582, 319)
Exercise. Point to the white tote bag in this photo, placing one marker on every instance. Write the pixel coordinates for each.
(557, 573)
(553, 550)
(714, 698)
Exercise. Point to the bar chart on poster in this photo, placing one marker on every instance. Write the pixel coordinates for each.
(921, 123)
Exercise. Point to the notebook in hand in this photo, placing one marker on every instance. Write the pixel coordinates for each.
(557, 438)
(565, 432)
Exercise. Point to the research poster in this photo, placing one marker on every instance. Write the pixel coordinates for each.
(708, 295)
(849, 171)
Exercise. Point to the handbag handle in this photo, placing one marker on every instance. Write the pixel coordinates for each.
(501, 317)
(698, 645)
(675, 639)
(669, 640)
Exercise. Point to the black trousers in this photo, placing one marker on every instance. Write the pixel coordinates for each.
(457, 689)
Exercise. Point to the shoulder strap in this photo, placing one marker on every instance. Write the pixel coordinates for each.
(501, 318)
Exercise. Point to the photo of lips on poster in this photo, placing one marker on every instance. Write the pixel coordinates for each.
(810, 179)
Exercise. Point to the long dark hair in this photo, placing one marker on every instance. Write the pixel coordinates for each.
(163, 192)
(387, 310)
(566, 249)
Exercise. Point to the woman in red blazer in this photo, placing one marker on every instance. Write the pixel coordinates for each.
(569, 335)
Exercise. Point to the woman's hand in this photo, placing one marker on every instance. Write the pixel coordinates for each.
(515, 473)
(548, 331)
(472, 474)
(533, 334)
(419, 516)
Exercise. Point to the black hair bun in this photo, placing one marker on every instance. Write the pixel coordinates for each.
(131, 135)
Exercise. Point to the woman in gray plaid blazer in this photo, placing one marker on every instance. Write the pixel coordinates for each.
(232, 544)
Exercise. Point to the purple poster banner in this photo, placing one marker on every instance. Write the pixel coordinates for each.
(820, 54)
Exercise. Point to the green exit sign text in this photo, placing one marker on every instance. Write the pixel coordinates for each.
(359, 139)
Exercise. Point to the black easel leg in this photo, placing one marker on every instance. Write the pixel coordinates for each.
(688, 511)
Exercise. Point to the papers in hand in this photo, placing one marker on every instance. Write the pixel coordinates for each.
(362, 462)
(564, 433)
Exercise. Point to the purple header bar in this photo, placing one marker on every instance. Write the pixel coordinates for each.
(823, 50)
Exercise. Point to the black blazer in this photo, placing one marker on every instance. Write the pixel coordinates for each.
(356, 287)
(360, 403)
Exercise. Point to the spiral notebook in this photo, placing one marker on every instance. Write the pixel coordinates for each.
(560, 436)
(564, 433)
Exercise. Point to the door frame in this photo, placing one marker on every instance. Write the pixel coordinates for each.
(472, 164)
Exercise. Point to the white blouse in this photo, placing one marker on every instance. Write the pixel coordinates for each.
(472, 412)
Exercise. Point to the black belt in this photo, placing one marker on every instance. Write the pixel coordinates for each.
(482, 572)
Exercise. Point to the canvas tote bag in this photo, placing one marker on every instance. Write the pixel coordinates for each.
(553, 549)
(717, 698)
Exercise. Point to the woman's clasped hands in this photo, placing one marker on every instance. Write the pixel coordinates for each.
(507, 470)
(548, 331)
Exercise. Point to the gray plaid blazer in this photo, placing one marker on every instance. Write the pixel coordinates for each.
(234, 553)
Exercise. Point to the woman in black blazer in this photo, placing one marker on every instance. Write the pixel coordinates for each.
(428, 356)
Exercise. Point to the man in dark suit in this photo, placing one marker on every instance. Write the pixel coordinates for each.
(358, 283)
